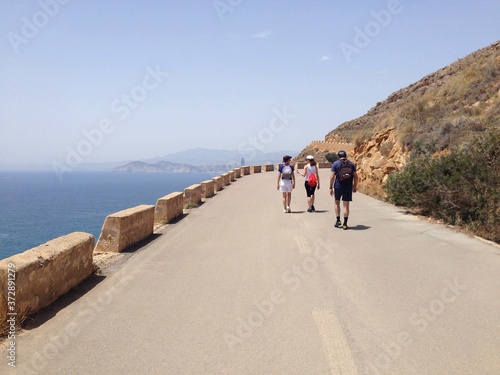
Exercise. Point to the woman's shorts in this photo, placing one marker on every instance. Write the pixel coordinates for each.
(286, 186)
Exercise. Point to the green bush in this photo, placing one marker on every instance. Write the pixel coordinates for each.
(461, 188)
(331, 157)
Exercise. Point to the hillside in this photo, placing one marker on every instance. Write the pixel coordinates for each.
(444, 109)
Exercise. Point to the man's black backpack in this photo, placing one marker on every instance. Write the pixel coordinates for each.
(346, 171)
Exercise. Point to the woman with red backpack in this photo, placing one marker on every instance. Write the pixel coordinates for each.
(311, 181)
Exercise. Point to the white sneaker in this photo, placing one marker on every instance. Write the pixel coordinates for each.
(288, 209)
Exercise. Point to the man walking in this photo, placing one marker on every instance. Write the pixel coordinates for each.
(343, 182)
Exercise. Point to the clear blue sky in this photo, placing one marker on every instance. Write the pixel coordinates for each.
(100, 81)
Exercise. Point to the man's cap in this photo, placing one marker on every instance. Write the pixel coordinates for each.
(342, 154)
(309, 157)
(286, 157)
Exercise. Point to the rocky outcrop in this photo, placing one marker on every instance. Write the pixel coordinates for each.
(376, 158)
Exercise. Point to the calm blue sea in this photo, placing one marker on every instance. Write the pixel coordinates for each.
(36, 207)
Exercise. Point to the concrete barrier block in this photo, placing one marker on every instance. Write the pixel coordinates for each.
(207, 189)
(125, 228)
(42, 274)
(192, 194)
(324, 164)
(225, 178)
(232, 176)
(268, 168)
(219, 183)
(256, 168)
(246, 170)
(169, 207)
(237, 172)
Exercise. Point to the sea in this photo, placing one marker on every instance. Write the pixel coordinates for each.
(36, 207)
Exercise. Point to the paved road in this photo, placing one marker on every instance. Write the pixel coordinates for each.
(239, 287)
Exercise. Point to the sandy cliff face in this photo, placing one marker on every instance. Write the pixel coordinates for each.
(376, 158)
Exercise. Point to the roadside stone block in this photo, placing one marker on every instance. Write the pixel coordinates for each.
(192, 194)
(169, 207)
(325, 164)
(246, 170)
(125, 228)
(237, 172)
(232, 176)
(268, 168)
(207, 189)
(225, 178)
(43, 274)
(219, 183)
(256, 168)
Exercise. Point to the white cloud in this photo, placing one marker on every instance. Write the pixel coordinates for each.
(325, 58)
(262, 34)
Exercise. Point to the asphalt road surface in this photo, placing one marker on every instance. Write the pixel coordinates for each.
(239, 287)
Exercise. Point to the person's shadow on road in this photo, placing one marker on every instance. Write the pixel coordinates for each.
(359, 227)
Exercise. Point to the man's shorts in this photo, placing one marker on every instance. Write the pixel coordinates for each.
(286, 186)
(344, 192)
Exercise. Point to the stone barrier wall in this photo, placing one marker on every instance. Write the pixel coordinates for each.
(320, 165)
(268, 168)
(207, 189)
(225, 178)
(43, 274)
(232, 176)
(219, 183)
(237, 172)
(169, 207)
(192, 194)
(125, 228)
(256, 169)
(246, 170)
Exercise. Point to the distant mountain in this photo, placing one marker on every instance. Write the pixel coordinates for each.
(206, 157)
(161, 166)
(192, 160)
(166, 166)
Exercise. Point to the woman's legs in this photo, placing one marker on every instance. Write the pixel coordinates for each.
(310, 196)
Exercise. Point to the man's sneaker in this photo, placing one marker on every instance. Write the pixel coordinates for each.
(338, 224)
(285, 211)
(345, 227)
(288, 209)
(309, 210)
(312, 208)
